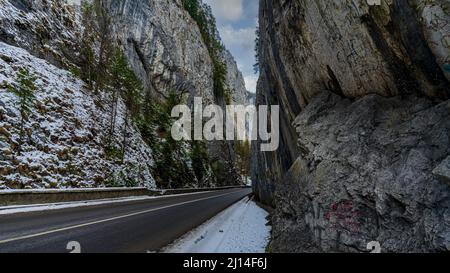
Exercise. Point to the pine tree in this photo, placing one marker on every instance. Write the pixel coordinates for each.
(131, 96)
(97, 33)
(106, 46)
(257, 45)
(243, 152)
(206, 22)
(24, 90)
(200, 162)
(88, 40)
(125, 84)
(118, 70)
(171, 168)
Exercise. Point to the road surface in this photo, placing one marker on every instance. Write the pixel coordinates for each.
(130, 227)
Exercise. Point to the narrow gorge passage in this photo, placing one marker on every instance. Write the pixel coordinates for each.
(335, 113)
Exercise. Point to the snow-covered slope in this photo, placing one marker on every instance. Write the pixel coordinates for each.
(164, 47)
(48, 29)
(65, 132)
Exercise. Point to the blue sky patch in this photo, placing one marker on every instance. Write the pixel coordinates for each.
(237, 21)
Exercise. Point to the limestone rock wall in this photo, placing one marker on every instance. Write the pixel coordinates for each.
(162, 42)
(364, 93)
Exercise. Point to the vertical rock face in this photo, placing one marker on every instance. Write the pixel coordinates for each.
(164, 46)
(235, 80)
(167, 50)
(364, 124)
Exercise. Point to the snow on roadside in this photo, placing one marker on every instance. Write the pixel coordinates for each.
(242, 228)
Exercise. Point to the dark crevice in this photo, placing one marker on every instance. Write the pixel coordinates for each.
(290, 92)
(145, 65)
(405, 82)
(411, 35)
(334, 85)
(140, 55)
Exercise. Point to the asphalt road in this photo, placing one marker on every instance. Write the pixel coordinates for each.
(130, 227)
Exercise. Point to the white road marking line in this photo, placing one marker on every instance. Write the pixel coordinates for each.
(108, 220)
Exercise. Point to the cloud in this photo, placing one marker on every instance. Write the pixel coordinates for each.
(241, 43)
(74, 2)
(243, 37)
(231, 10)
(251, 82)
(236, 22)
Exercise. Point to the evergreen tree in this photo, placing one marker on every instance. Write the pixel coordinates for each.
(24, 89)
(257, 44)
(131, 96)
(200, 162)
(106, 46)
(88, 40)
(97, 33)
(118, 70)
(206, 22)
(243, 152)
(172, 157)
(123, 83)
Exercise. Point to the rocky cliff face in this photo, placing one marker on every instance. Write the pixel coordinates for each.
(48, 29)
(164, 47)
(63, 144)
(364, 146)
(235, 80)
(161, 40)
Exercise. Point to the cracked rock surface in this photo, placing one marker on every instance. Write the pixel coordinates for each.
(364, 124)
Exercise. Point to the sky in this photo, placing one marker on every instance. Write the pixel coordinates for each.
(237, 21)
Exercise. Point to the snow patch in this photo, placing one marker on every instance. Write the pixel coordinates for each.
(242, 228)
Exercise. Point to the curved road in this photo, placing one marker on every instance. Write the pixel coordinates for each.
(134, 226)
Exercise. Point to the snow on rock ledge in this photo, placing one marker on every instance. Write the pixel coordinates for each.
(65, 132)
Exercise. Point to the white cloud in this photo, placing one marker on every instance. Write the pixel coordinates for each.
(251, 82)
(74, 2)
(243, 37)
(241, 42)
(236, 22)
(231, 10)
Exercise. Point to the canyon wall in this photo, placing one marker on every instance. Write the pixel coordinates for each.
(164, 47)
(364, 123)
